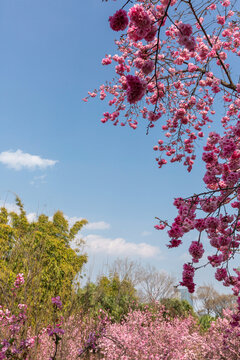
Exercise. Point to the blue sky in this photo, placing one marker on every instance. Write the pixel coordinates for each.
(56, 154)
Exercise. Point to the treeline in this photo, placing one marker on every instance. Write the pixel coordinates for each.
(40, 251)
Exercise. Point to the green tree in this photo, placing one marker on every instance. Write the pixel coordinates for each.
(205, 322)
(179, 308)
(110, 294)
(41, 251)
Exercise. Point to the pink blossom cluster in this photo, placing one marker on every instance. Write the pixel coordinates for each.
(147, 67)
(196, 250)
(144, 335)
(19, 280)
(119, 21)
(194, 74)
(185, 37)
(219, 206)
(80, 338)
(57, 301)
(141, 24)
(187, 277)
(136, 88)
(183, 78)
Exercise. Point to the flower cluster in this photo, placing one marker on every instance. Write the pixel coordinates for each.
(57, 330)
(181, 76)
(147, 67)
(185, 37)
(185, 79)
(136, 88)
(119, 21)
(220, 205)
(187, 277)
(141, 24)
(19, 280)
(196, 250)
(57, 301)
(144, 336)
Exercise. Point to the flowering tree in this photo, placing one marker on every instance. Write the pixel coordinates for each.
(144, 336)
(175, 65)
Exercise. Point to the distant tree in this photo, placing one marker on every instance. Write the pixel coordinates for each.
(155, 285)
(127, 269)
(178, 308)
(210, 302)
(41, 251)
(110, 294)
(152, 285)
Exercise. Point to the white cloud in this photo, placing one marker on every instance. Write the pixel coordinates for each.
(120, 246)
(99, 225)
(32, 217)
(19, 160)
(71, 220)
(11, 207)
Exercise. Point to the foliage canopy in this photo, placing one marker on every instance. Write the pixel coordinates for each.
(41, 251)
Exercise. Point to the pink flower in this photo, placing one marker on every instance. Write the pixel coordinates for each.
(220, 274)
(187, 277)
(221, 20)
(227, 145)
(185, 38)
(185, 29)
(136, 88)
(160, 227)
(212, 7)
(151, 34)
(119, 21)
(19, 280)
(226, 3)
(139, 17)
(148, 67)
(215, 260)
(57, 301)
(174, 243)
(199, 224)
(138, 62)
(107, 60)
(196, 250)
(192, 67)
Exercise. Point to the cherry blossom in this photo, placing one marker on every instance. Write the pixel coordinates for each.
(176, 65)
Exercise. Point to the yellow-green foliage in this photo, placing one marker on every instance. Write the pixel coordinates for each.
(178, 308)
(111, 294)
(205, 321)
(41, 251)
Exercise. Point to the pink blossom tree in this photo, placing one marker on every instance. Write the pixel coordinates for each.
(144, 335)
(176, 64)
